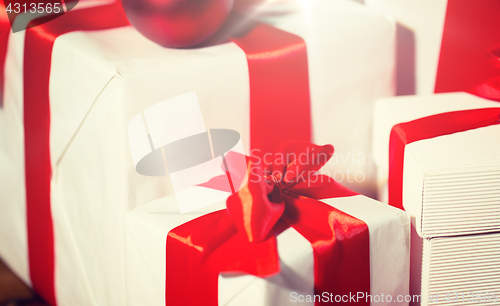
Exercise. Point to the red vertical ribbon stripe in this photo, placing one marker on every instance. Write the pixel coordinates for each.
(279, 87)
(39, 42)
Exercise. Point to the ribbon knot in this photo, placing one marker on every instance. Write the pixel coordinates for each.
(257, 207)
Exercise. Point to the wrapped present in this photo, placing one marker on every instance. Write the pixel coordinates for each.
(286, 237)
(430, 54)
(438, 159)
(73, 84)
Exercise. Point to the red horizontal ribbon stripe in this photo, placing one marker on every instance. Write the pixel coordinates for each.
(429, 127)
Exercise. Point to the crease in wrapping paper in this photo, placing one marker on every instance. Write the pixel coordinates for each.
(61, 155)
(429, 127)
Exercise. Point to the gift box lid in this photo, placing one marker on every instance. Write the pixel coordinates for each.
(391, 111)
(451, 183)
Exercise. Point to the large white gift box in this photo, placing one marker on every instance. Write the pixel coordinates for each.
(147, 227)
(100, 79)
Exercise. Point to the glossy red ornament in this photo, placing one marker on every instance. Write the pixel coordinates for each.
(177, 23)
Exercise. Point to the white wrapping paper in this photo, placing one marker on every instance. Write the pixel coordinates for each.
(101, 79)
(424, 23)
(146, 229)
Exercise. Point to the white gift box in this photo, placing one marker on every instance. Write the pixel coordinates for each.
(451, 183)
(146, 230)
(101, 79)
(425, 19)
(459, 270)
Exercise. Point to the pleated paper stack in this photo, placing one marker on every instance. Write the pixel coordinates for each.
(449, 182)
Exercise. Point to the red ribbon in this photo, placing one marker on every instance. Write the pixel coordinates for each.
(279, 87)
(429, 127)
(4, 38)
(469, 58)
(243, 237)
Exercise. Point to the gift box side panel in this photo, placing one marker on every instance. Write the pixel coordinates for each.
(96, 185)
(148, 226)
(413, 188)
(389, 230)
(13, 228)
(142, 287)
(89, 200)
(416, 253)
(461, 270)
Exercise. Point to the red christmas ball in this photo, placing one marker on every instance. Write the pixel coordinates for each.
(177, 23)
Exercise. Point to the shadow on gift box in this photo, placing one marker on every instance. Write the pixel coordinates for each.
(405, 61)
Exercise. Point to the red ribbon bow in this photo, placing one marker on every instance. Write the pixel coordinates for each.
(243, 237)
(258, 206)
